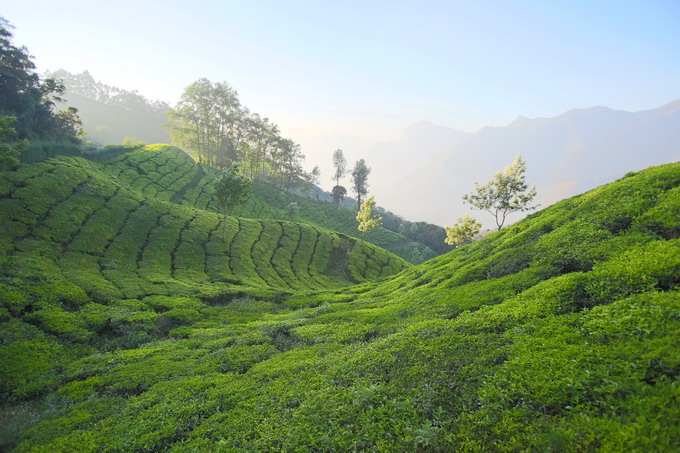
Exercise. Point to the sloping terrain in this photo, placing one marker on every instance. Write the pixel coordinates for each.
(167, 173)
(92, 261)
(559, 333)
(122, 240)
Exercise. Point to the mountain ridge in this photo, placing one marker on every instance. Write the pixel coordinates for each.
(565, 155)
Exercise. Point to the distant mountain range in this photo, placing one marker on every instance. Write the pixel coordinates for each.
(424, 175)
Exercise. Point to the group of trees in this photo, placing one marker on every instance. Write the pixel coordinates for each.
(359, 174)
(367, 216)
(210, 123)
(28, 103)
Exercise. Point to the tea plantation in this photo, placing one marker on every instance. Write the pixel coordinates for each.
(167, 173)
(131, 323)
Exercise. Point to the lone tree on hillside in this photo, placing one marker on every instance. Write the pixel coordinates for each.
(232, 189)
(359, 177)
(367, 217)
(338, 193)
(505, 193)
(340, 165)
(463, 231)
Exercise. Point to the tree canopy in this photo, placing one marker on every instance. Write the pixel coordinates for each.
(367, 217)
(207, 121)
(505, 193)
(232, 188)
(29, 99)
(360, 174)
(338, 194)
(210, 123)
(9, 152)
(463, 231)
(340, 165)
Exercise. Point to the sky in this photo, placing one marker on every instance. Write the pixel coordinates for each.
(370, 68)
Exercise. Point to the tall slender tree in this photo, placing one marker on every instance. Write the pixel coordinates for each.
(359, 180)
(340, 164)
(313, 179)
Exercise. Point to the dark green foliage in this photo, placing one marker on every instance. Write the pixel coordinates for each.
(9, 152)
(232, 188)
(558, 333)
(31, 100)
(338, 194)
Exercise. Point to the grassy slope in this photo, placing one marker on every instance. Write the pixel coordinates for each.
(150, 168)
(559, 333)
(91, 260)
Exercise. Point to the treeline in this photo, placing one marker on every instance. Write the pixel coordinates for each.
(210, 122)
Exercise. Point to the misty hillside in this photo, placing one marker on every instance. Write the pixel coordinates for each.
(559, 333)
(109, 124)
(111, 114)
(565, 155)
(149, 167)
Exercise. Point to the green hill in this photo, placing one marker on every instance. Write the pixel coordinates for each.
(167, 173)
(88, 259)
(559, 333)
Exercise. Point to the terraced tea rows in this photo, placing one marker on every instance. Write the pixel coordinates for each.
(75, 223)
(168, 173)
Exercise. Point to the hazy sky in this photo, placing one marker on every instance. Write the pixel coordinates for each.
(370, 68)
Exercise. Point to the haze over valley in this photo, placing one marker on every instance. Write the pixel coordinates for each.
(567, 155)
